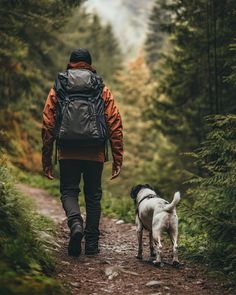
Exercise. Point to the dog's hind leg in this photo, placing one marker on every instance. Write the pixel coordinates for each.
(152, 252)
(157, 242)
(174, 236)
(140, 238)
(140, 244)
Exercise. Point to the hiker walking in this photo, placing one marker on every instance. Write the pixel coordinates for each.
(81, 116)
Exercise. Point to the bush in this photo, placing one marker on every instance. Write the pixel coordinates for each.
(25, 263)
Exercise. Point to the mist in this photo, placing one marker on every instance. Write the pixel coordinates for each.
(128, 19)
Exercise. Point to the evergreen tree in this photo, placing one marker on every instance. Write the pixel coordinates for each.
(196, 58)
(28, 32)
(192, 74)
(195, 79)
(158, 32)
(213, 192)
(83, 30)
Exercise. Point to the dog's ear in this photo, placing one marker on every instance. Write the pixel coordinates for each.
(134, 191)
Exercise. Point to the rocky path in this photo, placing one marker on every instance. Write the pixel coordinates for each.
(115, 270)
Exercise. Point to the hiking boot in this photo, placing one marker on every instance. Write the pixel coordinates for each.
(76, 235)
(91, 248)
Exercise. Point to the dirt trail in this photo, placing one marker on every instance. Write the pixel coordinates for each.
(115, 270)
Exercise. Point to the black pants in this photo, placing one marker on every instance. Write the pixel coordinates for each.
(70, 176)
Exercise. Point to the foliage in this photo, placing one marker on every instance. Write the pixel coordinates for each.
(132, 100)
(119, 207)
(148, 153)
(83, 30)
(192, 74)
(158, 32)
(28, 34)
(25, 263)
(190, 49)
(213, 193)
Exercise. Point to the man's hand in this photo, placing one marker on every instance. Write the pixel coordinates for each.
(115, 171)
(48, 173)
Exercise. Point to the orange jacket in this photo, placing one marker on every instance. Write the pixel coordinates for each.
(114, 123)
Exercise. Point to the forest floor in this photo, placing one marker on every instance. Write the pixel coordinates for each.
(116, 270)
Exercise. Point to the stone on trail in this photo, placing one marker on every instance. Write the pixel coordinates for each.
(75, 284)
(199, 282)
(120, 221)
(111, 272)
(65, 262)
(154, 284)
(166, 288)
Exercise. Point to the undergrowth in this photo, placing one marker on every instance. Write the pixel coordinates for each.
(26, 266)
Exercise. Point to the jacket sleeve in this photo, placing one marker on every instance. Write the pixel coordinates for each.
(49, 119)
(115, 129)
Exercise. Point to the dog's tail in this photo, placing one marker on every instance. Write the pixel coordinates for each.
(170, 207)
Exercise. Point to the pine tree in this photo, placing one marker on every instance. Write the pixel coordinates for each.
(213, 193)
(158, 32)
(192, 75)
(27, 34)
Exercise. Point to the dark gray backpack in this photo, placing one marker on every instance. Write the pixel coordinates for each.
(80, 118)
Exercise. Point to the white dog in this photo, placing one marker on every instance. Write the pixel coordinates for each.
(155, 215)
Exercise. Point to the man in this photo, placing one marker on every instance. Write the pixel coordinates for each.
(81, 160)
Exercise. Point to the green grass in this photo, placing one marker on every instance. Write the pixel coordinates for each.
(120, 208)
(39, 181)
(26, 264)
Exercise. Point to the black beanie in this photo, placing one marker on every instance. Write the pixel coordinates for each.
(81, 54)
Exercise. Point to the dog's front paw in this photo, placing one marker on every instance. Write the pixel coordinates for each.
(139, 256)
(150, 259)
